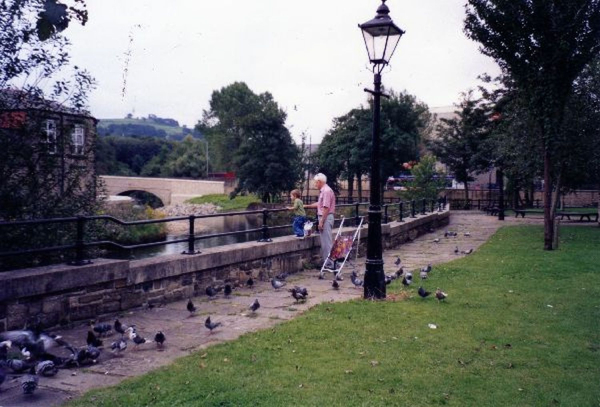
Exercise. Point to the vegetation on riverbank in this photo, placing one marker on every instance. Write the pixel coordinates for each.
(239, 203)
(137, 234)
(519, 327)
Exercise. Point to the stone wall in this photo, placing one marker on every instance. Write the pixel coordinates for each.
(62, 294)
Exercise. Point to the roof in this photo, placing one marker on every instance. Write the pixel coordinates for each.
(19, 100)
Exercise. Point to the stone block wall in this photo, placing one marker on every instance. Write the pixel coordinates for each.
(63, 294)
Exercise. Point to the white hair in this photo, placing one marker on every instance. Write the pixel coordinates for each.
(321, 177)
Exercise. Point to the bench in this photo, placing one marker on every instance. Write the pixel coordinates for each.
(587, 215)
(581, 215)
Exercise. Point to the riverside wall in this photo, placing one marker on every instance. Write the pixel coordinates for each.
(62, 294)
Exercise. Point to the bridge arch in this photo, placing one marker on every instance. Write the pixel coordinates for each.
(144, 197)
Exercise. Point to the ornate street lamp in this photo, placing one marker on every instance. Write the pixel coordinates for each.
(381, 37)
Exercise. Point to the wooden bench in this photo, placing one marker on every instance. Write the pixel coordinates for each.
(587, 215)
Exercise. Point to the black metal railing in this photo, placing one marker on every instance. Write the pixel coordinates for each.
(397, 211)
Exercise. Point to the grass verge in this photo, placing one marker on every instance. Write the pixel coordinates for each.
(520, 328)
(239, 203)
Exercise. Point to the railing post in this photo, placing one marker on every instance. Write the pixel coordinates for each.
(356, 213)
(80, 259)
(479, 204)
(424, 207)
(401, 209)
(265, 227)
(412, 209)
(385, 213)
(432, 205)
(191, 237)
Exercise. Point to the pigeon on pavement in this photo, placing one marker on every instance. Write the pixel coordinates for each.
(255, 305)
(211, 325)
(277, 284)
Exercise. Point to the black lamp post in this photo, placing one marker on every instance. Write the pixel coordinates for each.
(381, 37)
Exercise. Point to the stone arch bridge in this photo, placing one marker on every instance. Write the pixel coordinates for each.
(169, 190)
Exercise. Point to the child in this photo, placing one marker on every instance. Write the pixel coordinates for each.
(299, 213)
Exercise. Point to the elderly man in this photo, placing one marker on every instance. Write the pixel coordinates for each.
(326, 210)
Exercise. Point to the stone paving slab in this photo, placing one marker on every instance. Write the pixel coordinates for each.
(186, 334)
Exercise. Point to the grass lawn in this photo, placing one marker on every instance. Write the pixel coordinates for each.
(239, 203)
(521, 327)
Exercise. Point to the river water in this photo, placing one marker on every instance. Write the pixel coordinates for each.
(211, 226)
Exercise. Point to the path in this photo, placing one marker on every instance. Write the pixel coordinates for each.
(187, 334)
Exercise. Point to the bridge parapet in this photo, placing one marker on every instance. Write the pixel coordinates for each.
(169, 190)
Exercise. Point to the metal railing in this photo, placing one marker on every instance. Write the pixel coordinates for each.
(398, 211)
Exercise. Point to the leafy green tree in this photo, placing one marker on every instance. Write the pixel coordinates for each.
(346, 149)
(234, 111)
(428, 181)
(460, 140)
(543, 45)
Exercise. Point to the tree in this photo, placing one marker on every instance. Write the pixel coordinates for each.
(543, 45)
(267, 161)
(428, 181)
(234, 110)
(346, 149)
(460, 140)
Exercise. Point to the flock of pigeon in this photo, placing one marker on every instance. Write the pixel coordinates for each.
(28, 352)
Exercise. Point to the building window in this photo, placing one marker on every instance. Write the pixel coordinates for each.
(50, 133)
(77, 140)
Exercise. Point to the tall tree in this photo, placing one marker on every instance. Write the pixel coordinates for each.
(543, 45)
(460, 140)
(346, 149)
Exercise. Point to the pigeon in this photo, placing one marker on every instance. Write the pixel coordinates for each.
(29, 383)
(211, 325)
(190, 307)
(2, 373)
(282, 276)
(93, 340)
(18, 365)
(255, 305)
(160, 339)
(406, 281)
(119, 346)
(250, 282)
(211, 291)
(399, 272)
(397, 261)
(436, 240)
(4, 347)
(299, 293)
(335, 285)
(356, 281)
(427, 269)
(446, 234)
(92, 353)
(138, 340)
(46, 368)
(423, 293)
(423, 274)
(456, 250)
(119, 327)
(388, 280)
(467, 251)
(392, 277)
(227, 290)
(408, 276)
(277, 284)
(467, 234)
(440, 295)
(101, 329)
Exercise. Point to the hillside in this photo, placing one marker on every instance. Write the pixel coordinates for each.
(151, 126)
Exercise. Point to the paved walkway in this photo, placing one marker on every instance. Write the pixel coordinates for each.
(187, 334)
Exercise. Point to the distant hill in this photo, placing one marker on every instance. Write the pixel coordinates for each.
(151, 126)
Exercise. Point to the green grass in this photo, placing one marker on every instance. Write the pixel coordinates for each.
(239, 203)
(520, 328)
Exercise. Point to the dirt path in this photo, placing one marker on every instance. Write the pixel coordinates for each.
(187, 334)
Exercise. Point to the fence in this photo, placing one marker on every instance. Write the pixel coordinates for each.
(392, 211)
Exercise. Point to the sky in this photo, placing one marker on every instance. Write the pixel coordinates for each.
(166, 58)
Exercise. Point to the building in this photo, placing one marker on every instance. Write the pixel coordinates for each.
(44, 146)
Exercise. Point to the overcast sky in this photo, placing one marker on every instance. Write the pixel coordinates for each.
(166, 57)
